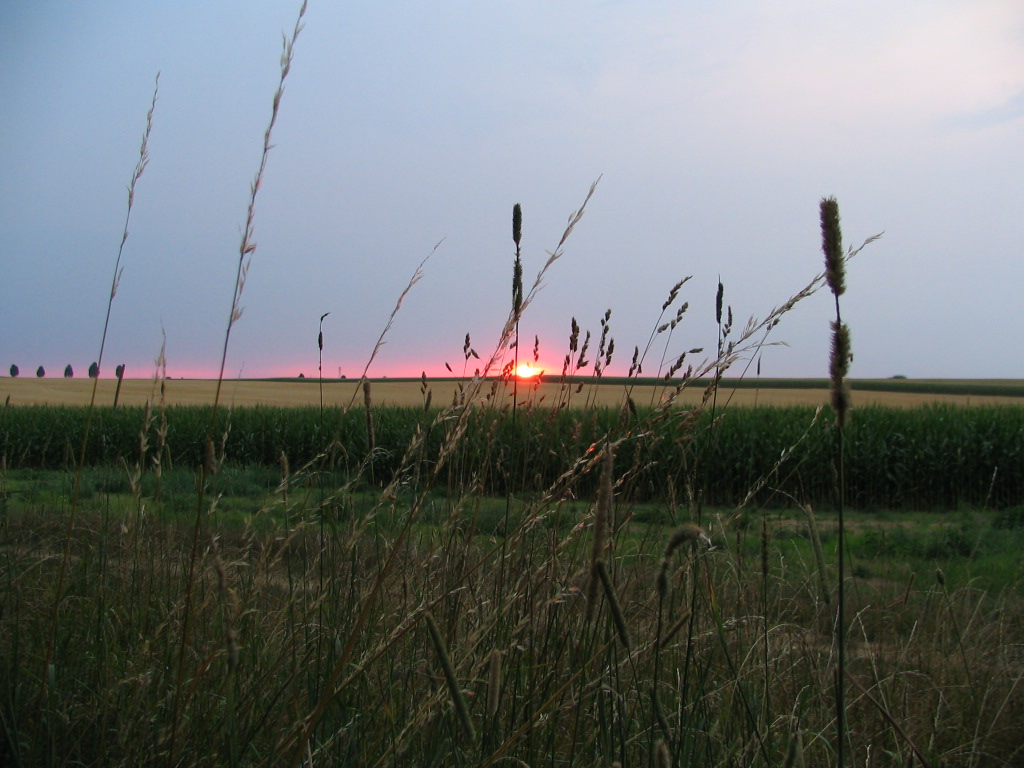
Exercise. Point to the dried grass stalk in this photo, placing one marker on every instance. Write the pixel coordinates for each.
(493, 682)
(613, 603)
(449, 675)
(602, 516)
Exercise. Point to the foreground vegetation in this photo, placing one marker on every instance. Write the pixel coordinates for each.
(326, 625)
(375, 602)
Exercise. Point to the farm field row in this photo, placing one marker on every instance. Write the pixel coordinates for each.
(306, 392)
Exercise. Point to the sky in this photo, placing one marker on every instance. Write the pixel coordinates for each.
(715, 130)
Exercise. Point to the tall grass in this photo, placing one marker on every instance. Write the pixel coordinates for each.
(456, 586)
(208, 469)
(839, 365)
(47, 663)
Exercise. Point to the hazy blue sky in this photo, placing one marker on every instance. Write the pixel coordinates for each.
(717, 128)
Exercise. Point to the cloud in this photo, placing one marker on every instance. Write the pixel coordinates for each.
(809, 76)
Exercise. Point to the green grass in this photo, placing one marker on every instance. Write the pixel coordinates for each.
(566, 678)
(972, 546)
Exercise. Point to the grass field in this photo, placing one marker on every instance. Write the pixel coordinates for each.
(330, 625)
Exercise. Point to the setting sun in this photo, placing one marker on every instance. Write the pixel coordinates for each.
(528, 371)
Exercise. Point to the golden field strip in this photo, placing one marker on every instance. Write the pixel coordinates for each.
(78, 392)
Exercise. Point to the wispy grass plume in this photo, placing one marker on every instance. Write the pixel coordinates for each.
(247, 246)
(140, 167)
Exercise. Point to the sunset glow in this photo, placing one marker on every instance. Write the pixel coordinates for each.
(773, 108)
(528, 371)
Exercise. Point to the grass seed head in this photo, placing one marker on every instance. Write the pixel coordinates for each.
(517, 286)
(840, 356)
(687, 532)
(684, 533)
(832, 246)
(517, 270)
(493, 682)
(517, 223)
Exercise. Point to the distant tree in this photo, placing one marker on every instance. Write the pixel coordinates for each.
(14, 371)
(119, 372)
(40, 372)
(69, 372)
(94, 371)
(302, 375)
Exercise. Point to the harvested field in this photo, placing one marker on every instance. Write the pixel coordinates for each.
(304, 392)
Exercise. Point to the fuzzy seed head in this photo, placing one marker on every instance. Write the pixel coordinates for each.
(687, 532)
(832, 246)
(839, 367)
(517, 224)
(682, 534)
(517, 286)
(661, 583)
(320, 337)
(841, 353)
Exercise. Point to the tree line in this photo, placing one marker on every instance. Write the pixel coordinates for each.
(69, 371)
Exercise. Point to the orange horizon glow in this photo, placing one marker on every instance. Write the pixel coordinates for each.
(528, 371)
(525, 371)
